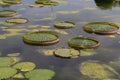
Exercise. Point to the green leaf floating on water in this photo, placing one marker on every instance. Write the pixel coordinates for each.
(46, 2)
(7, 13)
(82, 42)
(40, 74)
(64, 25)
(101, 27)
(41, 37)
(17, 20)
(25, 66)
(12, 1)
(96, 70)
(67, 53)
(6, 61)
(13, 54)
(7, 72)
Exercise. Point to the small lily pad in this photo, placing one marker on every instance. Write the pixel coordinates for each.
(40, 74)
(7, 72)
(64, 25)
(97, 70)
(7, 13)
(6, 61)
(82, 42)
(12, 1)
(66, 53)
(25, 66)
(41, 38)
(17, 20)
(46, 2)
(101, 28)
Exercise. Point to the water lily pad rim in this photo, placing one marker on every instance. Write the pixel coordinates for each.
(48, 42)
(8, 15)
(84, 47)
(103, 32)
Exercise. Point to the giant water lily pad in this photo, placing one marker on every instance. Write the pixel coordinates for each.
(12, 1)
(25, 66)
(17, 20)
(40, 74)
(101, 27)
(96, 70)
(67, 53)
(82, 42)
(41, 37)
(6, 61)
(7, 72)
(64, 25)
(7, 13)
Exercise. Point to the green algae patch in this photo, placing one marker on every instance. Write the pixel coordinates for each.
(7, 13)
(101, 28)
(41, 38)
(83, 43)
(40, 74)
(97, 70)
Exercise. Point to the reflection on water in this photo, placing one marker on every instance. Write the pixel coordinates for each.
(107, 4)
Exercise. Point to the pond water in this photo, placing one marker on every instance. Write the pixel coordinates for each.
(78, 11)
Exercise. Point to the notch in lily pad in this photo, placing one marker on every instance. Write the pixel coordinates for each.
(67, 53)
(83, 42)
(17, 20)
(101, 28)
(12, 1)
(64, 25)
(41, 38)
(7, 13)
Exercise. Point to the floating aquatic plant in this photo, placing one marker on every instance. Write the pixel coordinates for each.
(46, 2)
(82, 42)
(64, 25)
(41, 37)
(12, 1)
(6, 61)
(7, 13)
(7, 72)
(25, 66)
(67, 53)
(40, 74)
(101, 27)
(18, 75)
(17, 20)
(87, 52)
(95, 70)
